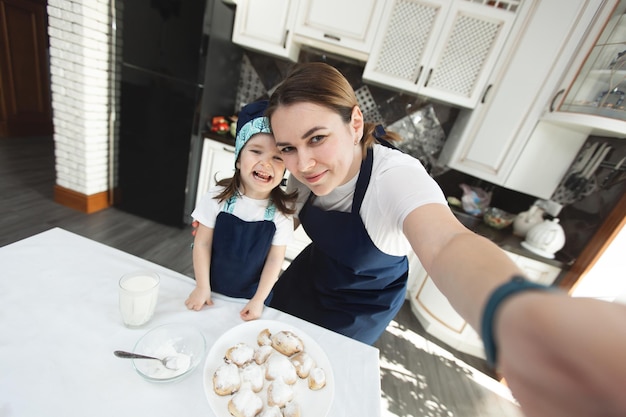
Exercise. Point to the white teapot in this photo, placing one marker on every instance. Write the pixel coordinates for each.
(545, 238)
(526, 220)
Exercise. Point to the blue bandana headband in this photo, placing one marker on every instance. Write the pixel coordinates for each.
(251, 128)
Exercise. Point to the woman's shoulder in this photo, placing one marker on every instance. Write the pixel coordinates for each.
(386, 158)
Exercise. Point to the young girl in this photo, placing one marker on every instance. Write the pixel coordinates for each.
(245, 222)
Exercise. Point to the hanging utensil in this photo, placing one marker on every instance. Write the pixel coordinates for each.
(581, 186)
(611, 178)
(580, 165)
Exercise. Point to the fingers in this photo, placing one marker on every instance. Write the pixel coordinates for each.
(197, 306)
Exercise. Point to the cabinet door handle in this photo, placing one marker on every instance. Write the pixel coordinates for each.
(485, 95)
(285, 39)
(333, 37)
(419, 74)
(554, 99)
(430, 72)
(228, 149)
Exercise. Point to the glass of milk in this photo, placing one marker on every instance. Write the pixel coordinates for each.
(139, 291)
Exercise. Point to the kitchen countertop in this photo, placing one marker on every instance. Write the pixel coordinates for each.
(225, 138)
(507, 241)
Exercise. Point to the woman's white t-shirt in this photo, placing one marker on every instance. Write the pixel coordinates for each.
(398, 185)
(247, 209)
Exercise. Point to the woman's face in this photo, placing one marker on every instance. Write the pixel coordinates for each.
(318, 148)
(261, 166)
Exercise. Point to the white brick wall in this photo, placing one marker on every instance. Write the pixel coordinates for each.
(80, 65)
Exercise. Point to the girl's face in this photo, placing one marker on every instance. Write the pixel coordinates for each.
(261, 166)
(318, 148)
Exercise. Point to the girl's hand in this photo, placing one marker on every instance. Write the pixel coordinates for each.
(252, 310)
(198, 298)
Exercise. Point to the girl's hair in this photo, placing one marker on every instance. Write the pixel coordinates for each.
(284, 202)
(321, 84)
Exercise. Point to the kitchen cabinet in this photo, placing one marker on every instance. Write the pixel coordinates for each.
(439, 318)
(501, 140)
(266, 26)
(217, 162)
(442, 49)
(345, 27)
(594, 92)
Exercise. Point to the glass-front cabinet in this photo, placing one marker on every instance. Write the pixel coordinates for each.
(597, 96)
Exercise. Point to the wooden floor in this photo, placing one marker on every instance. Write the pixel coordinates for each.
(420, 376)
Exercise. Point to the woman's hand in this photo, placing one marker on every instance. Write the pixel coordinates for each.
(252, 310)
(563, 356)
(198, 298)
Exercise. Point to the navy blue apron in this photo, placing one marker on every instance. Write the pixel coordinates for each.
(342, 281)
(239, 251)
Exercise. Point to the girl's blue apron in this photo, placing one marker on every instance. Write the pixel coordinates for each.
(342, 281)
(239, 251)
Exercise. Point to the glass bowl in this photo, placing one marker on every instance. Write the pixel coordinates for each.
(184, 341)
(498, 219)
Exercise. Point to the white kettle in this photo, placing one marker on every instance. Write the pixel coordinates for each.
(526, 220)
(545, 238)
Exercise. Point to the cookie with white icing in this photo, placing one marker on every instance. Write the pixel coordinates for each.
(261, 353)
(279, 393)
(317, 379)
(254, 375)
(303, 362)
(226, 379)
(264, 337)
(280, 367)
(292, 409)
(245, 403)
(287, 343)
(273, 411)
(241, 354)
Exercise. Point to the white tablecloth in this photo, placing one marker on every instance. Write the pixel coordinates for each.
(59, 326)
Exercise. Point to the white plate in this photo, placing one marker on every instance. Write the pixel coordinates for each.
(312, 403)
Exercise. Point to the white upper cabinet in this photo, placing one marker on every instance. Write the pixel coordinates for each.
(442, 49)
(265, 26)
(593, 93)
(344, 27)
(501, 140)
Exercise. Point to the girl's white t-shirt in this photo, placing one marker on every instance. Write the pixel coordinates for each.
(247, 209)
(398, 185)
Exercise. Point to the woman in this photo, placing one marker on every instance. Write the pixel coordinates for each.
(352, 279)
(364, 205)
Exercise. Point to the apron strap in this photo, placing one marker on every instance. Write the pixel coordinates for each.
(270, 210)
(363, 181)
(229, 207)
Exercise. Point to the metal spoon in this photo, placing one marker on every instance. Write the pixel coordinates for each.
(170, 362)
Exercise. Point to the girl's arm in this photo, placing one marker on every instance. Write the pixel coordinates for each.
(269, 276)
(202, 243)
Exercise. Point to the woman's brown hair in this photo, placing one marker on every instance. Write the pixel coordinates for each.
(321, 84)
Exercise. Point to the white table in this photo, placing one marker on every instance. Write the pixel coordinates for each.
(59, 326)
